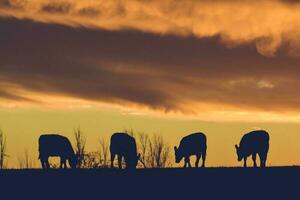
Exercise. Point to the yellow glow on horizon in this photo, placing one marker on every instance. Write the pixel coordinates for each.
(210, 112)
(23, 127)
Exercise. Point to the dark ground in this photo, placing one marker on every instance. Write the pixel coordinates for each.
(209, 183)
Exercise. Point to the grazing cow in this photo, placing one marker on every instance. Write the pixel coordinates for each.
(56, 145)
(193, 144)
(255, 142)
(124, 145)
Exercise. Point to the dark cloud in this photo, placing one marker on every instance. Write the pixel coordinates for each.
(160, 72)
(89, 11)
(5, 3)
(62, 7)
(9, 5)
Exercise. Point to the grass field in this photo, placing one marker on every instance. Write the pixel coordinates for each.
(278, 182)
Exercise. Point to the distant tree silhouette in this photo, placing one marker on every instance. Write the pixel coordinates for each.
(103, 152)
(158, 152)
(155, 152)
(3, 154)
(80, 142)
(91, 160)
(143, 146)
(25, 161)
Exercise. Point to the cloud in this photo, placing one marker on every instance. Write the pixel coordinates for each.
(131, 68)
(268, 24)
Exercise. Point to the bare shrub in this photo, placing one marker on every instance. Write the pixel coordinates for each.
(158, 152)
(143, 139)
(25, 161)
(91, 160)
(3, 154)
(80, 142)
(103, 152)
(97, 159)
(154, 151)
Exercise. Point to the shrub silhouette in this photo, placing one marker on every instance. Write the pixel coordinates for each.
(25, 161)
(56, 145)
(124, 145)
(193, 144)
(158, 152)
(154, 151)
(3, 154)
(80, 142)
(255, 142)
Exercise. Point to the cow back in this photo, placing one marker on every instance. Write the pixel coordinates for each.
(55, 145)
(123, 144)
(255, 142)
(193, 144)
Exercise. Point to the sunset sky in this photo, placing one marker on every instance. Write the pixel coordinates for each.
(170, 67)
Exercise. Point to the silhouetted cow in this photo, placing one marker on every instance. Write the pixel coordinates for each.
(56, 145)
(193, 144)
(124, 145)
(255, 142)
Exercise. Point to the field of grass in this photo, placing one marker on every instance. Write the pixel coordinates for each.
(278, 182)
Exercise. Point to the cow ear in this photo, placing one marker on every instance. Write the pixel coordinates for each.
(175, 148)
(236, 146)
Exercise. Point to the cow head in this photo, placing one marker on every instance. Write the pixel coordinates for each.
(178, 155)
(239, 152)
(132, 162)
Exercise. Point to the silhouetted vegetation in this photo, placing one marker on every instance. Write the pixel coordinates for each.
(25, 161)
(143, 139)
(158, 152)
(155, 152)
(103, 152)
(92, 160)
(3, 154)
(80, 142)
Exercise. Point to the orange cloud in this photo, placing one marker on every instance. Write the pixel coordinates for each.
(268, 24)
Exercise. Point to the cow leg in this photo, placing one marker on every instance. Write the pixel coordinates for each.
(197, 160)
(120, 161)
(203, 158)
(61, 163)
(263, 158)
(189, 163)
(112, 158)
(43, 163)
(65, 164)
(47, 163)
(185, 163)
(254, 160)
(245, 161)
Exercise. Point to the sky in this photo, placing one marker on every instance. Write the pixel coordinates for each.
(168, 67)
